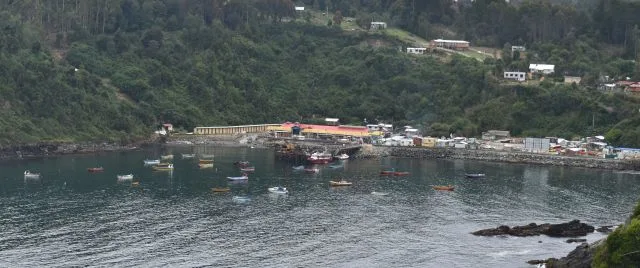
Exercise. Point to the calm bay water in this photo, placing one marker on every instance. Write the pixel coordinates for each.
(70, 217)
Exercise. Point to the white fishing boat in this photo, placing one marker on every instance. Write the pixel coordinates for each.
(187, 156)
(29, 175)
(125, 177)
(151, 162)
(298, 168)
(240, 199)
(166, 157)
(379, 193)
(342, 156)
(163, 167)
(278, 190)
(244, 177)
(206, 156)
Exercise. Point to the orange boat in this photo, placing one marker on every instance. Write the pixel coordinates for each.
(443, 188)
(393, 173)
(220, 190)
(95, 169)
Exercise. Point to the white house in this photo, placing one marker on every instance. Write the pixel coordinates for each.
(518, 48)
(542, 68)
(376, 25)
(519, 76)
(416, 50)
(332, 121)
(299, 8)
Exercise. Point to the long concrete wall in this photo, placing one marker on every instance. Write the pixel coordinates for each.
(498, 156)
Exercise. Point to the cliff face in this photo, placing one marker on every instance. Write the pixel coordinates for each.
(581, 257)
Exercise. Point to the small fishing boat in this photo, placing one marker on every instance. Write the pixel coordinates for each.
(29, 175)
(474, 175)
(200, 165)
(336, 166)
(443, 187)
(248, 169)
(95, 169)
(278, 190)
(320, 158)
(379, 193)
(205, 161)
(163, 167)
(244, 177)
(241, 163)
(206, 156)
(240, 199)
(311, 170)
(125, 177)
(187, 156)
(298, 168)
(393, 172)
(151, 162)
(342, 157)
(340, 183)
(135, 183)
(166, 157)
(220, 190)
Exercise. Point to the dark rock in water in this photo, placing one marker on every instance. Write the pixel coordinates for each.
(581, 257)
(569, 229)
(536, 262)
(605, 229)
(576, 240)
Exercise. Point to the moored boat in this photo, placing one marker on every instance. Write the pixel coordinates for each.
(241, 163)
(186, 156)
(241, 199)
(298, 168)
(278, 190)
(206, 156)
(393, 172)
(443, 187)
(379, 193)
(125, 177)
(166, 157)
(244, 177)
(200, 165)
(342, 156)
(150, 162)
(474, 175)
(29, 175)
(95, 169)
(340, 183)
(248, 169)
(163, 167)
(220, 189)
(311, 170)
(320, 158)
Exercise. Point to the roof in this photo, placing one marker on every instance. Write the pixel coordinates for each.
(542, 66)
(324, 129)
(378, 22)
(451, 41)
(331, 119)
(300, 8)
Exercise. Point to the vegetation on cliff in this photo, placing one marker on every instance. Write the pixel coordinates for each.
(116, 69)
(622, 247)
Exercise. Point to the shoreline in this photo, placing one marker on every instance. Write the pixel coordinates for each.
(53, 149)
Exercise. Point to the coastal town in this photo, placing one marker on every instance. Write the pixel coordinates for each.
(378, 140)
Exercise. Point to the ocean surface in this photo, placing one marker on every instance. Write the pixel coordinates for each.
(70, 217)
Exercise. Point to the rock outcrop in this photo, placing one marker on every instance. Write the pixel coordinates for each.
(570, 229)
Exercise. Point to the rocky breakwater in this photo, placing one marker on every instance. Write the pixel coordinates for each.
(503, 156)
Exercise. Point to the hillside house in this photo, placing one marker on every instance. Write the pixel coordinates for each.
(299, 8)
(572, 79)
(332, 121)
(416, 50)
(633, 88)
(542, 68)
(450, 44)
(377, 25)
(518, 76)
(518, 48)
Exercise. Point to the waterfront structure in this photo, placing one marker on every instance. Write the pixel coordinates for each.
(450, 44)
(416, 50)
(377, 25)
(519, 76)
(542, 68)
(496, 135)
(537, 145)
(320, 131)
(227, 130)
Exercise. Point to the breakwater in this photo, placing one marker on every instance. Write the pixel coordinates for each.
(497, 156)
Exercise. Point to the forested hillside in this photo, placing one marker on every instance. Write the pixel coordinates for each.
(116, 69)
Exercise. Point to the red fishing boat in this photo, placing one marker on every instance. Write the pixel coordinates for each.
(95, 169)
(320, 158)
